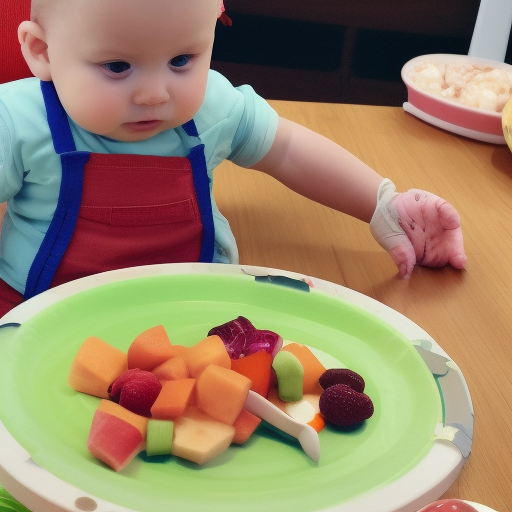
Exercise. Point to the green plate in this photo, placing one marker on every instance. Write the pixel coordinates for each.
(51, 421)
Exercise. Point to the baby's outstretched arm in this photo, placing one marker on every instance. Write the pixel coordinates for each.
(417, 227)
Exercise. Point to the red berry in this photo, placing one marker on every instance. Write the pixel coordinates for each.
(136, 390)
(342, 376)
(345, 407)
(114, 390)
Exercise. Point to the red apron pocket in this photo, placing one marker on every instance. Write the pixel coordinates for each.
(180, 211)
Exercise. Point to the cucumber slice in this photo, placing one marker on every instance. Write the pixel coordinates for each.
(290, 376)
(159, 437)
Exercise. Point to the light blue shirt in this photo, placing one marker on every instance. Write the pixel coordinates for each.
(233, 123)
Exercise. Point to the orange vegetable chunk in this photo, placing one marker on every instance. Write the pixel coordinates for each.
(172, 369)
(245, 425)
(258, 368)
(113, 440)
(150, 349)
(138, 421)
(95, 366)
(210, 350)
(173, 399)
(199, 438)
(221, 393)
(313, 368)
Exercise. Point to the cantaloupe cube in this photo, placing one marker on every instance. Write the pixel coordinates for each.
(180, 350)
(210, 350)
(313, 368)
(95, 366)
(173, 399)
(172, 369)
(221, 393)
(245, 425)
(138, 421)
(149, 349)
(199, 438)
(258, 368)
(114, 441)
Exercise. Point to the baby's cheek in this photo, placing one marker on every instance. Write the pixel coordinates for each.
(96, 112)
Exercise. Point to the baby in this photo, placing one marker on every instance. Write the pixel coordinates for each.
(107, 155)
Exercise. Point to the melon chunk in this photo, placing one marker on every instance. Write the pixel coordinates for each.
(150, 349)
(210, 350)
(199, 438)
(113, 440)
(245, 425)
(95, 366)
(138, 421)
(221, 393)
(313, 368)
(258, 368)
(172, 369)
(173, 399)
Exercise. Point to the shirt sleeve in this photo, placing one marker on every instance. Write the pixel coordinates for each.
(235, 123)
(7, 189)
(11, 168)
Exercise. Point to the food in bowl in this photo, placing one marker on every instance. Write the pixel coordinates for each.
(473, 84)
(459, 93)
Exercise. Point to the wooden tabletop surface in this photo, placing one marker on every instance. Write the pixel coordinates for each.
(468, 313)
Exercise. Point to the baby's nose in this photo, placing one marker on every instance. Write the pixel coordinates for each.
(151, 92)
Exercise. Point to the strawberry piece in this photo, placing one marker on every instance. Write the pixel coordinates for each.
(136, 390)
(345, 407)
(114, 390)
(342, 376)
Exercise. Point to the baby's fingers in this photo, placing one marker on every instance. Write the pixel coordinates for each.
(404, 258)
(448, 216)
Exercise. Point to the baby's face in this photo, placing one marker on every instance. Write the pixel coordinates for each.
(129, 69)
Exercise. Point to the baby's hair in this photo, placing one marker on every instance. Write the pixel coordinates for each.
(39, 8)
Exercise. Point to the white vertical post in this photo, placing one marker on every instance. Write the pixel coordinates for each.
(492, 30)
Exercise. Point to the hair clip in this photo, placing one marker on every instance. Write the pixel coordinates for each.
(224, 18)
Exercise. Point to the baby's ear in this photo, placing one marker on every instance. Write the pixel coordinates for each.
(34, 49)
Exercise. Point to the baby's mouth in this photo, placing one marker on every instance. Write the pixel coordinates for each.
(149, 124)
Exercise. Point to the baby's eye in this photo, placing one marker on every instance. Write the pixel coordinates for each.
(180, 61)
(117, 67)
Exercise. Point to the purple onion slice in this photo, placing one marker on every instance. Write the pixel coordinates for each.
(241, 338)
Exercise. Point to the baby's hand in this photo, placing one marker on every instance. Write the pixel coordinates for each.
(417, 227)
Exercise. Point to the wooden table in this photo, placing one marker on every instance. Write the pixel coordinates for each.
(469, 313)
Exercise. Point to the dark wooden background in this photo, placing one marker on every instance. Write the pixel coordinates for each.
(337, 50)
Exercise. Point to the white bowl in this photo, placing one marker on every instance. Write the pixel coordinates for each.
(447, 113)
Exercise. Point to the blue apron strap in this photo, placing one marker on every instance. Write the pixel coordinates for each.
(202, 184)
(61, 228)
(204, 201)
(190, 128)
(57, 120)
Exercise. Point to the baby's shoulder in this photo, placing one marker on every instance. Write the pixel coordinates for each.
(223, 102)
(22, 104)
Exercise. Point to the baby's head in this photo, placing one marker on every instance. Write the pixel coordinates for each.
(125, 69)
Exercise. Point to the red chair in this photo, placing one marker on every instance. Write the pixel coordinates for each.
(12, 63)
